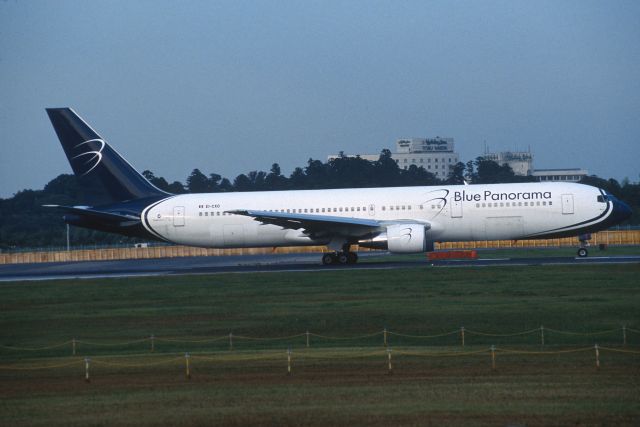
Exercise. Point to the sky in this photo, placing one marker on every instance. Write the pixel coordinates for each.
(231, 87)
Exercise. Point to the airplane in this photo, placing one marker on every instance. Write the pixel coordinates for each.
(398, 219)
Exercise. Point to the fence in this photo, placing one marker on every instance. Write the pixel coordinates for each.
(286, 358)
(537, 336)
(306, 340)
(616, 237)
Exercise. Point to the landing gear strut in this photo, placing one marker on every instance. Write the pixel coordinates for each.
(584, 242)
(345, 256)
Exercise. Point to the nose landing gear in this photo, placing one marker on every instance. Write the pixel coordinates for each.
(584, 243)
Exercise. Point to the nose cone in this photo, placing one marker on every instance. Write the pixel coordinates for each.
(621, 211)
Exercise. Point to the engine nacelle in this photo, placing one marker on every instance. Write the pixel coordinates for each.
(408, 238)
(402, 238)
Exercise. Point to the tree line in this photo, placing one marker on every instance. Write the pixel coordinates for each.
(24, 223)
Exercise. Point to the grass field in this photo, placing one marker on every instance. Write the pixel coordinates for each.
(335, 381)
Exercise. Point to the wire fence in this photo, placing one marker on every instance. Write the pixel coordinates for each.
(297, 360)
(621, 336)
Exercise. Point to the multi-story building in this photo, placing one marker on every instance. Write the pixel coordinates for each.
(521, 162)
(571, 175)
(435, 155)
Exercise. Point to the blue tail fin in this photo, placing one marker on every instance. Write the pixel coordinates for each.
(104, 175)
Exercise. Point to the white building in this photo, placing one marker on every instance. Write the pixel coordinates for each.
(570, 175)
(435, 155)
(521, 162)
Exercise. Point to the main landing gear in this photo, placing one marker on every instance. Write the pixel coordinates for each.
(341, 257)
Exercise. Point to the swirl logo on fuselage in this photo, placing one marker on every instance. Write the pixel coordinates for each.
(439, 197)
(92, 158)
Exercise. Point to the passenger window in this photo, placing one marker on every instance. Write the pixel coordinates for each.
(550, 203)
(200, 213)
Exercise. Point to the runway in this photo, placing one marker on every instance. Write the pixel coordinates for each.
(264, 263)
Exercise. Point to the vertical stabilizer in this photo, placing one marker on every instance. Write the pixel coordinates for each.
(104, 175)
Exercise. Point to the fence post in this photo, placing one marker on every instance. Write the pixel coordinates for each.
(462, 334)
(493, 357)
(186, 362)
(153, 346)
(289, 361)
(597, 356)
(541, 336)
(230, 340)
(86, 369)
(384, 332)
(73, 346)
(389, 360)
(307, 339)
(624, 335)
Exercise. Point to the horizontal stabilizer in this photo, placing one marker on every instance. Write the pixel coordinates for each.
(96, 214)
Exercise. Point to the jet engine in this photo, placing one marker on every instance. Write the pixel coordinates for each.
(402, 238)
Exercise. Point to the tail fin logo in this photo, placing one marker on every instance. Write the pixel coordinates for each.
(91, 158)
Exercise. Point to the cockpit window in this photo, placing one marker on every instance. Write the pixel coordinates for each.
(602, 199)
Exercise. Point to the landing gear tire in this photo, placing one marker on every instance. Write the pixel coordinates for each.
(583, 252)
(341, 258)
(328, 259)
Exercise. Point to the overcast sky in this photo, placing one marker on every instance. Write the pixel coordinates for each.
(230, 87)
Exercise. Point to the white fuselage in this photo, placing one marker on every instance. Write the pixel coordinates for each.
(453, 213)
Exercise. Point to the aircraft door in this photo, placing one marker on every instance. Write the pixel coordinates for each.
(372, 210)
(567, 204)
(456, 208)
(178, 216)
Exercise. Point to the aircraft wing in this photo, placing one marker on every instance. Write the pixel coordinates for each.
(316, 225)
